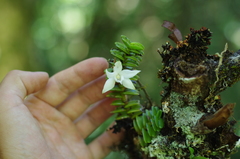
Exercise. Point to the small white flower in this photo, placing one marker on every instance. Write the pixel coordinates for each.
(120, 76)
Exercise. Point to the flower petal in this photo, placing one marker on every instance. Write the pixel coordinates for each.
(110, 74)
(129, 73)
(109, 84)
(128, 84)
(117, 67)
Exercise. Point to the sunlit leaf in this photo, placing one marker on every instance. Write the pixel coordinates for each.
(122, 47)
(136, 46)
(126, 41)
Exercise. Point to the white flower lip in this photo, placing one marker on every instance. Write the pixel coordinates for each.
(120, 76)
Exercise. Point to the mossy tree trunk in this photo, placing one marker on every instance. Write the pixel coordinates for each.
(196, 122)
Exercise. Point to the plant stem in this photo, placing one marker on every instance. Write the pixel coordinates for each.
(150, 103)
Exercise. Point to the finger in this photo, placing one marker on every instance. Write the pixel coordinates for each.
(18, 84)
(94, 117)
(80, 100)
(104, 144)
(62, 84)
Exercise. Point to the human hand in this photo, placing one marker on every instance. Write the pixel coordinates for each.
(49, 118)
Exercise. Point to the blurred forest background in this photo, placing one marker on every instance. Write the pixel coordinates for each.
(51, 35)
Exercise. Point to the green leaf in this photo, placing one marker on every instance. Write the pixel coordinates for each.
(126, 41)
(139, 122)
(132, 103)
(136, 46)
(139, 57)
(130, 64)
(131, 92)
(118, 110)
(118, 102)
(122, 116)
(145, 119)
(131, 61)
(133, 52)
(135, 125)
(154, 110)
(110, 69)
(150, 130)
(118, 88)
(129, 68)
(135, 78)
(159, 114)
(142, 143)
(114, 95)
(122, 47)
(117, 54)
(154, 125)
(135, 114)
(148, 113)
(134, 110)
(146, 136)
(159, 122)
(134, 58)
(191, 152)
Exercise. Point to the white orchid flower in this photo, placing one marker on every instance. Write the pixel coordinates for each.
(120, 76)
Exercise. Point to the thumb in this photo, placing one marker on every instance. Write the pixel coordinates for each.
(18, 84)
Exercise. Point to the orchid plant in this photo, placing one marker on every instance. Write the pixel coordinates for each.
(124, 85)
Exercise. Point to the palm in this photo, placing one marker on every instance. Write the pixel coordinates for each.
(57, 119)
(60, 137)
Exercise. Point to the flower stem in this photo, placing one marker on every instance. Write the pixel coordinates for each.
(146, 94)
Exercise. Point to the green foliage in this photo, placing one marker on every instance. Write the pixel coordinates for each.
(130, 54)
(148, 125)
